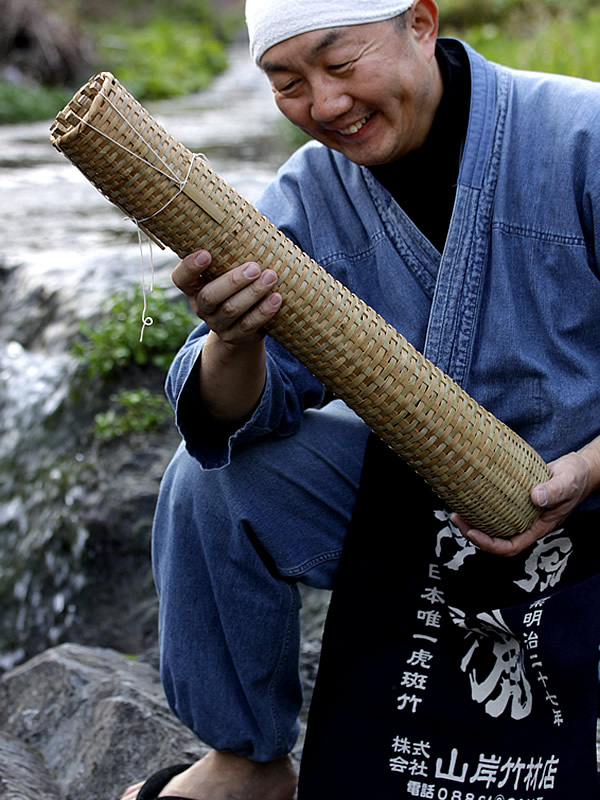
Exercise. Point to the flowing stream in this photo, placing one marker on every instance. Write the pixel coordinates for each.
(68, 245)
(63, 250)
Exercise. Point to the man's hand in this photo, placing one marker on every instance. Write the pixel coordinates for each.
(574, 477)
(235, 306)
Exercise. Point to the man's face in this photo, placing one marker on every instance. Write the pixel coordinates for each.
(369, 91)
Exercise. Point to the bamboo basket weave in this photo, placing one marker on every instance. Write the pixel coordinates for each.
(474, 462)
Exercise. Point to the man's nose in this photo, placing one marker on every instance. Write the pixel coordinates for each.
(329, 101)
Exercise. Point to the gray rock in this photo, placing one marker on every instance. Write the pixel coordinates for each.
(82, 722)
(92, 718)
(23, 772)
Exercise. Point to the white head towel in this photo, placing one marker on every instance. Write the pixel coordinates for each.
(272, 21)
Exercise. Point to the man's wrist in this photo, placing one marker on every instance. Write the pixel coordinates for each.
(590, 453)
(231, 380)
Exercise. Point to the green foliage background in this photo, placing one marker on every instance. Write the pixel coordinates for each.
(544, 35)
(156, 49)
(144, 61)
(111, 353)
(161, 48)
(29, 103)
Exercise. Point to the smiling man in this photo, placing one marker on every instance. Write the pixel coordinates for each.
(459, 199)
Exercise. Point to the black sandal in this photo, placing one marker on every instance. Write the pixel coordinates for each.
(157, 782)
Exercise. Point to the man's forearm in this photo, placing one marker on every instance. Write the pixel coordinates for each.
(231, 379)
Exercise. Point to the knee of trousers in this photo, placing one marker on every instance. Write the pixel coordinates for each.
(206, 499)
(294, 496)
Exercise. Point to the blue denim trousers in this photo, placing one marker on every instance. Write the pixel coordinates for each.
(229, 546)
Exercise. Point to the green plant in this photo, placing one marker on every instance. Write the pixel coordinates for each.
(156, 48)
(132, 411)
(512, 14)
(113, 344)
(28, 103)
(163, 58)
(562, 45)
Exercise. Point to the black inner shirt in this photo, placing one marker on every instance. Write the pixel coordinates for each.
(423, 182)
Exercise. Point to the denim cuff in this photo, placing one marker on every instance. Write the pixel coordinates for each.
(209, 442)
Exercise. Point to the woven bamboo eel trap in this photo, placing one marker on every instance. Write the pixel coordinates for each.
(475, 463)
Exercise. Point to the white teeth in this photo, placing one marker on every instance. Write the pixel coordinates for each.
(356, 126)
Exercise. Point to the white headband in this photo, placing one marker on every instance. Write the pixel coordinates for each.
(272, 21)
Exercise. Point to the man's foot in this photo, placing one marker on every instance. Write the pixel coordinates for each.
(225, 776)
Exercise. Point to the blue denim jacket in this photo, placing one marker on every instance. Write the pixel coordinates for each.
(510, 309)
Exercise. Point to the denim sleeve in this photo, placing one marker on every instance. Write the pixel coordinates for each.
(289, 390)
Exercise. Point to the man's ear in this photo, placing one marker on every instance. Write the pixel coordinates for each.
(423, 21)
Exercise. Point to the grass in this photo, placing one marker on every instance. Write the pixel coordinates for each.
(533, 36)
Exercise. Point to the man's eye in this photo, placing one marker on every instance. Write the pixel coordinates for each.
(288, 86)
(340, 67)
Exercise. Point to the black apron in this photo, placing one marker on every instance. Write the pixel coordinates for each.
(449, 673)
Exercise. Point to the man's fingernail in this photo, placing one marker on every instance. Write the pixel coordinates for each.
(252, 271)
(201, 259)
(269, 277)
(541, 496)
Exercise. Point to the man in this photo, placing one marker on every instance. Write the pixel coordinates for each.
(457, 198)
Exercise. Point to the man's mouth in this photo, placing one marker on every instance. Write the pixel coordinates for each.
(356, 126)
